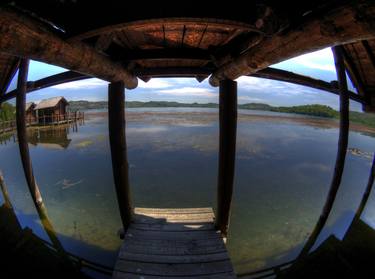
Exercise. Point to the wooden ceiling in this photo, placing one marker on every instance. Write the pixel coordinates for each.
(160, 39)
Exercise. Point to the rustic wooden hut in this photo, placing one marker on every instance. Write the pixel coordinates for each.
(30, 112)
(52, 110)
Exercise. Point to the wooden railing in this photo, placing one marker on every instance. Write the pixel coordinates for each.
(10, 125)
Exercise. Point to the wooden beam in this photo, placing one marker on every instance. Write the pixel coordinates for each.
(160, 54)
(8, 78)
(25, 37)
(286, 76)
(53, 80)
(173, 72)
(354, 74)
(117, 139)
(367, 192)
(227, 152)
(26, 160)
(347, 23)
(4, 190)
(341, 152)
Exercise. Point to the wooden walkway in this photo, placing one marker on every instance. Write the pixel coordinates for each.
(173, 243)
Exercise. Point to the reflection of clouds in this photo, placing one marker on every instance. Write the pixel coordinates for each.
(137, 130)
(305, 166)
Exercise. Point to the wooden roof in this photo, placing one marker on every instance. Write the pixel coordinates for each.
(159, 39)
(50, 102)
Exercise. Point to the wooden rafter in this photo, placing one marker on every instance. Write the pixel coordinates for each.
(337, 26)
(64, 77)
(287, 76)
(25, 37)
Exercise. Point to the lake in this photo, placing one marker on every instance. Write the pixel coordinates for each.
(284, 167)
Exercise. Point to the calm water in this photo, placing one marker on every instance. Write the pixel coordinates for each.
(283, 171)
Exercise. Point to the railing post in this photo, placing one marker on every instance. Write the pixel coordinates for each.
(117, 138)
(25, 156)
(227, 152)
(341, 152)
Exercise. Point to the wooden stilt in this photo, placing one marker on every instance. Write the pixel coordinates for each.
(4, 190)
(367, 192)
(227, 152)
(117, 138)
(341, 152)
(25, 156)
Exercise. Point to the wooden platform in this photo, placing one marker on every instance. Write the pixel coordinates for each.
(173, 243)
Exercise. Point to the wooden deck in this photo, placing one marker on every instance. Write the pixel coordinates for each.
(173, 243)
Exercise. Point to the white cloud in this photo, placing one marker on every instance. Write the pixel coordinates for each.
(155, 83)
(249, 99)
(189, 91)
(81, 84)
(319, 60)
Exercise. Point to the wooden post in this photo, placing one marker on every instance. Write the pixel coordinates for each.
(367, 192)
(4, 190)
(25, 156)
(117, 138)
(227, 152)
(341, 152)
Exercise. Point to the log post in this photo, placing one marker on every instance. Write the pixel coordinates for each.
(367, 192)
(22, 35)
(341, 152)
(117, 138)
(227, 152)
(4, 190)
(25, 156)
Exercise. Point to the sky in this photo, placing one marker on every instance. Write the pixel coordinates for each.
(317, 64)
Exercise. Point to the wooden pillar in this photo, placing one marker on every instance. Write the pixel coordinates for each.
(4, 190)
(341, 152)
(227, 152)
(117, 138)
(367, 192)
(25, 156)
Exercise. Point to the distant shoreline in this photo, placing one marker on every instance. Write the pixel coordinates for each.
(362, 119)
(202, 118)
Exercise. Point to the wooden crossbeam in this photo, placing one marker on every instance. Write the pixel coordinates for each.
(347, 23)
(25, 37)
(286, 76)
(53, 80)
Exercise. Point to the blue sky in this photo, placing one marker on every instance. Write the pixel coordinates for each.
(318, 64)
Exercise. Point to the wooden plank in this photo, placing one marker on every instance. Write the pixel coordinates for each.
(174, 218)
(183, 244)
(174, 227)
(122, 275)
(176, 249)
(186, 269)
(146, 210)
(157, 246)
(133, 233)
(173, 259)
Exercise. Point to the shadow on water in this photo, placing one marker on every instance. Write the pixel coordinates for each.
(24, 253)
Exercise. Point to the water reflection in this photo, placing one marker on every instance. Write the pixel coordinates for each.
(51, 138)
(283, 170)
